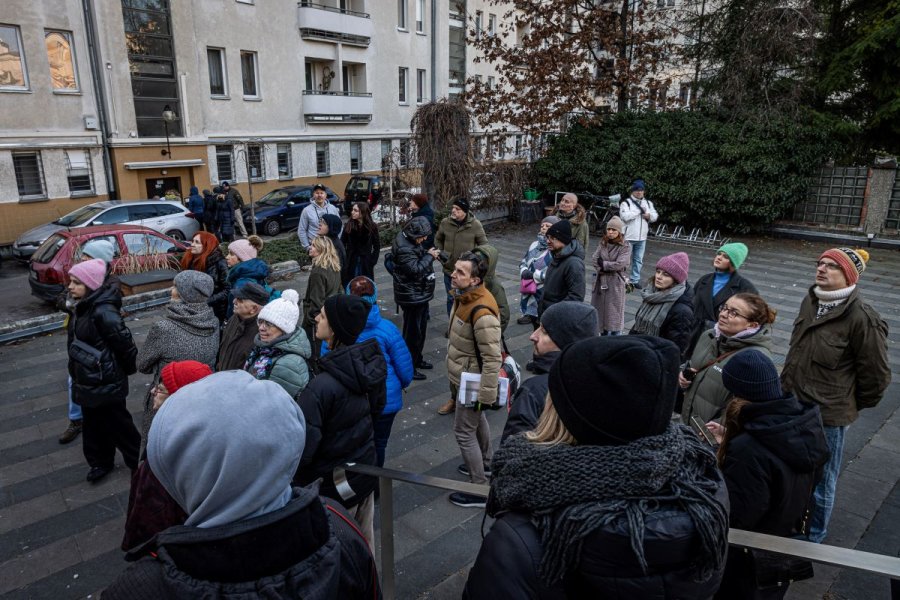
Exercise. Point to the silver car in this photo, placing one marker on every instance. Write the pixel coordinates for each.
(164, 216)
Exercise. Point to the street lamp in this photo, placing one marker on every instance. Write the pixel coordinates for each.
(168, 116)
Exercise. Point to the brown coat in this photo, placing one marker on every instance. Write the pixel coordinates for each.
(484, 330)
(838, 361)
(579, 224)
(237, 341)
(608, 295)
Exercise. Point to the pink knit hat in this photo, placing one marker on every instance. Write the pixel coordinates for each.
(90, 272)
(676, 265)
(242, 249)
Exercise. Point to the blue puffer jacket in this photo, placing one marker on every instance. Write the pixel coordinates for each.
(396, 355)
(195, 202)
(255, 270)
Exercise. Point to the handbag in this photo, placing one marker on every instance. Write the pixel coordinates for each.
(772, 571)
(527, 286)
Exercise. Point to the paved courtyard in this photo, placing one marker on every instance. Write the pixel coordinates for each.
(59, 536)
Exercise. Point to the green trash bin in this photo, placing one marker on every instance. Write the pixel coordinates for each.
(532, 194)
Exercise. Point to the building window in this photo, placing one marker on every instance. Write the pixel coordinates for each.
(323, 163)
(385, 152)
(421, 85)
(249, 74)
(224, 164)
(29, 175)
(78, 172)
(404, 153)
(255, 162)
(404, 76)
(13, 75)
(492, 25)
(355, 157)
(284, 162)
(420, 16)
(401, 14)
(684, 93)
(490, 82)
(479, 24)
(665, 3)
(218, 80)
(518, 144)
(63, 76)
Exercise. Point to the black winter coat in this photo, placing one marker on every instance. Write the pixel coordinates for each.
(224, 217)
(771, 469)
(706, 306)
(678, 326)
(308, 549)
(339, 405)
(414, 276)
(363, 246)
(565, 277)
(97, 322)
(508, 562)
(528, 403)
(217, 268)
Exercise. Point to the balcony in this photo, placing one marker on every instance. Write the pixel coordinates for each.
(333, 107)
(324, 23)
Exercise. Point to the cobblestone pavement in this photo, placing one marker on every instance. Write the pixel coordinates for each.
(59, 536)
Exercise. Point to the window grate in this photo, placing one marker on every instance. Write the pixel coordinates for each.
(224, 163)
(29, 175)
(835, 198)
(323, 162)
(285, 167)
(255, 158)
(893, 215)
(79, 173)
(355, 157)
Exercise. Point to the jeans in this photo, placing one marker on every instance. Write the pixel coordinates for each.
(637, 259)
(473, 435)
(823, 496)
(382, 426)
(415, 329)
(74, 409)
(239, 222)
(448, 287)
(364, 515)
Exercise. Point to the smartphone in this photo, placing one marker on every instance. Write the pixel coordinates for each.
(700, 426)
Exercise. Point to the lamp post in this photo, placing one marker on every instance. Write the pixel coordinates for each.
(168, 116)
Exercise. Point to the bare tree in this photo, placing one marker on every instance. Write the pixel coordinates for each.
(442, 147)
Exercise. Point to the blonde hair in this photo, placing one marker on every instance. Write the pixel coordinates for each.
(328, 257)
(550, 429)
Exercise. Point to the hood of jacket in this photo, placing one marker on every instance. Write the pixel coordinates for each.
(255, 269)
(296, 343)
(374, 318)
(573, 248)
(492, 255)
(195, 318)
(417, 227)
(357, 366)
(789, 429)
(762, 338)
(194, 191)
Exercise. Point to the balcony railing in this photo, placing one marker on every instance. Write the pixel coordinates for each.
(330, 107)
(330, 24)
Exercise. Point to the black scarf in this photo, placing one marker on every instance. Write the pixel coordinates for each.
(572, 491)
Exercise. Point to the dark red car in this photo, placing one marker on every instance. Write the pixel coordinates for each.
(135, 245)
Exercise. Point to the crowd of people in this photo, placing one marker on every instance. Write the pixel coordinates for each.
(624, 458)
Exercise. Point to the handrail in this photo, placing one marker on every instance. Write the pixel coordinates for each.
(848, 558)
(343, 11)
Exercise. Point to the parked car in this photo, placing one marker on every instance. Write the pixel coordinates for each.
(164, 216)
(280, 209)
(49, 266)
(366, 188)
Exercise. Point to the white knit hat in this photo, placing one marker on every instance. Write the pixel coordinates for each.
(282, 312)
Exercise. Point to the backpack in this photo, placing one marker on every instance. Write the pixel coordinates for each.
(509, 368)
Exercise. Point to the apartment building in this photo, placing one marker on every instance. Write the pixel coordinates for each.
(133, 98)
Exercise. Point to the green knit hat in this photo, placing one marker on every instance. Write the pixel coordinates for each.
(737, 253)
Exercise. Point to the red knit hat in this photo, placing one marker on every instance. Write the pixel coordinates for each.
(851, 262)
(176, 375)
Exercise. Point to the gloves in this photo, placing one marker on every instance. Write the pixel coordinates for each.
(527, 274)
(480, 406)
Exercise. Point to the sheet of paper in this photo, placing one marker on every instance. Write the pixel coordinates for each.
(470, 384)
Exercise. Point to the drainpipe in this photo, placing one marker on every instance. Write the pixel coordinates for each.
(433, 50)
(99, 94)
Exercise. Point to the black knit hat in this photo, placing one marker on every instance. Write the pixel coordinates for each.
(569, 321)
(346, 316)
(463, 205)
(561, 231)
(612, 390)
(750, 375)
(253, 292)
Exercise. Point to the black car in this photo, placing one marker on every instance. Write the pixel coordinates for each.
(366, 188)
(280, 209)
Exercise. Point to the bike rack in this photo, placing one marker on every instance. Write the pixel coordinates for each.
(696, 238)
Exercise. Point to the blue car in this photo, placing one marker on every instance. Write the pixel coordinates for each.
(280, 209)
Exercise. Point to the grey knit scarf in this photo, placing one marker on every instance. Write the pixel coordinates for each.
(572, 491)
(652, 312)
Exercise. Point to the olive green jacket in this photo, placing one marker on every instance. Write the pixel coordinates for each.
(454, 239)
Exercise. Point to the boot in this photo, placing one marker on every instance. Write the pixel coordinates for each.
(71, 432)
(448, 407)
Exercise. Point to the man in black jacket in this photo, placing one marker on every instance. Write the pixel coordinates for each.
(564, 279)
(561, 324)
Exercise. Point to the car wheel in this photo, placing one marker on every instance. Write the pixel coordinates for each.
(176, 234)
(272, 227)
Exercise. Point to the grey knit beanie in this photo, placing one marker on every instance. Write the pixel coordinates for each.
(569, 321)
(194, 287)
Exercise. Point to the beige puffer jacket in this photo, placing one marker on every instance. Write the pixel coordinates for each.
(464, 335)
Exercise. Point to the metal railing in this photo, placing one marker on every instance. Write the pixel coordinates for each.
(877, 564)
(334, 9)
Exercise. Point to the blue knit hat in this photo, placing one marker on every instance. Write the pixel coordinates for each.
(638, 185)
(750, 375)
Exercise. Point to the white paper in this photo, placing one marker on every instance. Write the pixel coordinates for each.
(470, 385)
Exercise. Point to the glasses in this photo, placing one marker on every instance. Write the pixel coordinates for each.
(828, 265)
(263, 324)
(730, 312)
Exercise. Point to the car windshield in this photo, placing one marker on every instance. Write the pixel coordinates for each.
(79, 217)
(275, 198)
(49, 248)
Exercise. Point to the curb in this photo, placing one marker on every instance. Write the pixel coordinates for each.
(33, 326)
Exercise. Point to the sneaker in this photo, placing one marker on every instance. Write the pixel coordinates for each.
(468, 500)
(71, 432)
(448, 407)
(524, 320)
(464, 469)
(424, 364)
(97, 473)
(418, 376)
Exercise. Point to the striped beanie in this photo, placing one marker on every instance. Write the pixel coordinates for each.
(852, 262)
